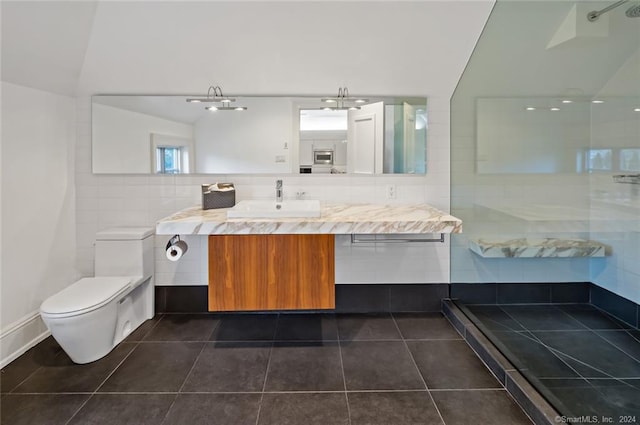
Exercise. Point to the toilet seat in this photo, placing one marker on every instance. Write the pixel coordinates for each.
(85, 295)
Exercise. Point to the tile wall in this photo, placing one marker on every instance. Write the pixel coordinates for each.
(615, 207)
(479, 198)
(127, 200)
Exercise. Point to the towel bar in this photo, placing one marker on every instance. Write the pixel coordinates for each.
(357, 239)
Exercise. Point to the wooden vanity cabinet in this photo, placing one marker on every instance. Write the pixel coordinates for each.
(271, 272)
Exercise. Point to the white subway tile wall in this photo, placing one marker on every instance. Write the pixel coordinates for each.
(616, 126)
(484, 202)
(595, 208)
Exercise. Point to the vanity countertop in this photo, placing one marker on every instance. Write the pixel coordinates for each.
(335, 219)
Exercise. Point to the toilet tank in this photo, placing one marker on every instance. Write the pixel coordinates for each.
(125, 251)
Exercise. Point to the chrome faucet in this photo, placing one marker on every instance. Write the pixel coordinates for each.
(278, 190)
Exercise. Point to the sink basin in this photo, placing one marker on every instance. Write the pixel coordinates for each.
(272, 209)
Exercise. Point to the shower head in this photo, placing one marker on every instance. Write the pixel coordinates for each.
(633, 11)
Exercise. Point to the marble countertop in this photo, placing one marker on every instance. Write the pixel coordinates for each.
(335, 219)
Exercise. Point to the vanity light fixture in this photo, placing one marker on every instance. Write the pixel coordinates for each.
(343, 108)
(225, 108)
(216, 97)
(343, 101)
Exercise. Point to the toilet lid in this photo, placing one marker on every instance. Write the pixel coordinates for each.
(87, 293)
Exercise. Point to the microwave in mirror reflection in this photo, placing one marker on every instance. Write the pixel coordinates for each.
(323, 157)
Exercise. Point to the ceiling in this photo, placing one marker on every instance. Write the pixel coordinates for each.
(81, 48)
(513, 57)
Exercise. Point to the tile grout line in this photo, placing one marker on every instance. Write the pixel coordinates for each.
(555, 352)
(443, 390)
(616, 346)
(297, 340)
(572, 318)
(607, 313)
(266, 372)
(537, 340)
(406, 346)
(86, 392)
(344, 378)
(36, 370)
(155, 325)
(137, 344)
(511, 395)
(102, 383)
(186, 378)
(25, 379)
(294, 392)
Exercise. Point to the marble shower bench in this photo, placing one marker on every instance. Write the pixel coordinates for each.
(537, 248)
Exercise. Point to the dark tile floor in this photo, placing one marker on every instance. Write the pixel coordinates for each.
(324, 369)
(584, 361)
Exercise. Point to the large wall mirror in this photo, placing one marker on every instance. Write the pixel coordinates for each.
(299, 135)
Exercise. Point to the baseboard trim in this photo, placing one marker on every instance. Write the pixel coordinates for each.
(20, 336)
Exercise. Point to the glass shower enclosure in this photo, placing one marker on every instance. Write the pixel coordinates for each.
(545, 174)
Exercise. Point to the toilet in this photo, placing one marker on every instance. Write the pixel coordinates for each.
(93, 315)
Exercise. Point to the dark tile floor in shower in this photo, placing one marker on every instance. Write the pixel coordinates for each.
(584, 361)
(297, 369)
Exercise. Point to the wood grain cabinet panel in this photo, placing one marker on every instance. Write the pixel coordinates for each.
(271, 272)
(235, 280)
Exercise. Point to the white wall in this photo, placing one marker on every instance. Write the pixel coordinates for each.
(2, 178)
(38, 209)
(247, 141)
(620, 272)
(485, 203)
(123, 138)
(291, 48)
(511, 139)
(616, 125)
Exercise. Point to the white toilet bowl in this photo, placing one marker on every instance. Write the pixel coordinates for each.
(83, 316)
(93, 315)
